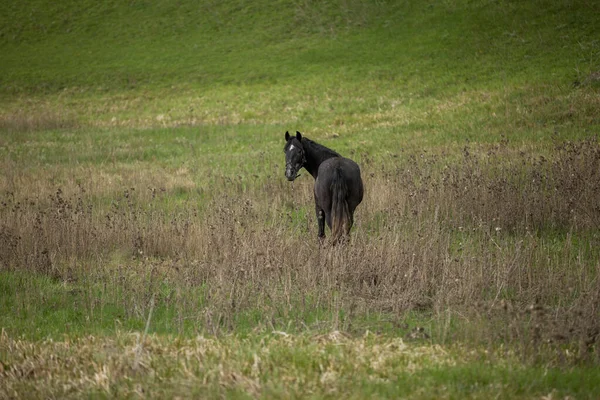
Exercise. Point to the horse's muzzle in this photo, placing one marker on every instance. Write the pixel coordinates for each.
(290, 173)
(290, 176)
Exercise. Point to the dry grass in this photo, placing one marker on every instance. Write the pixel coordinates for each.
(278, 365)
(499, 247)
(24, 120)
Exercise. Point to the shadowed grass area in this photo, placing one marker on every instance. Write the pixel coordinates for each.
(423, 45)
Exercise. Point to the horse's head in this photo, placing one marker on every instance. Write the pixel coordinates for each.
(295, 157)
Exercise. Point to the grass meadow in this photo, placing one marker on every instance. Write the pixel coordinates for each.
(151, 247)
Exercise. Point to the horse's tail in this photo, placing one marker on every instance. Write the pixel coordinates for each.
(341, 221)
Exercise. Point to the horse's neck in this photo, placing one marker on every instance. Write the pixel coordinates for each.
(315, 155)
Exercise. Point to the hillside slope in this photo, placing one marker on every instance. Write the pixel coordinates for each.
(433, 72)
(49, 46)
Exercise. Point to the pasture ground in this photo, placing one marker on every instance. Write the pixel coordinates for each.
(151, 246)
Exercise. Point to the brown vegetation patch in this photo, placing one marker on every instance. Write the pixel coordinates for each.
(34, 120)
(456, 240)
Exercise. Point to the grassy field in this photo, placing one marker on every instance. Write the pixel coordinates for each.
(150, 245)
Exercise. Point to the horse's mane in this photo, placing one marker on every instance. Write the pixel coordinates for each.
(319, 148)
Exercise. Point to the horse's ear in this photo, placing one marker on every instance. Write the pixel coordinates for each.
(287, 136)
(298, 135)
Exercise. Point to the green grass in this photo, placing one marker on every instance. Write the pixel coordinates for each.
(239, 42)
(426, 73)
(42, 307)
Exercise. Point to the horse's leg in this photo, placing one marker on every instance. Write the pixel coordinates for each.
(320, 213)
(321, 222)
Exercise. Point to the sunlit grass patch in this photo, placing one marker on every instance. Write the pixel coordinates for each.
(273, 365)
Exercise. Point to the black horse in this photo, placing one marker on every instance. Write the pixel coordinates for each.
(338, 185)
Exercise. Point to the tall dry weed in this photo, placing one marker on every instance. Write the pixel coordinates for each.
(19, 121)
(482, 246)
